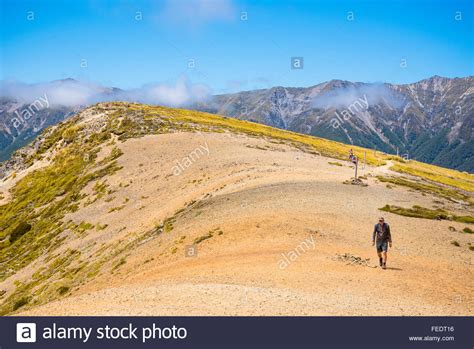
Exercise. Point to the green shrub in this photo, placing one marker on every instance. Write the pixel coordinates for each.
(83, 226)
(70, 134)
(21, 229)
(202, 238)
(468, 230)
(99, 226)
(21, 302)
(63, 290)
(114, 209)
(464, 219)
(209, 235)
(168, 224)
(117, 265)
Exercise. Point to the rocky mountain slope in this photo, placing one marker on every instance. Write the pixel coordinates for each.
(17, 131)
(26, 110)
(139, 210)
(431, 120)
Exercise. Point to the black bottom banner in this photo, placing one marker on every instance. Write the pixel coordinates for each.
(236, 332)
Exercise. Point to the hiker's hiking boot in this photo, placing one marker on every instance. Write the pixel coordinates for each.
(384, 266)
(380, 261)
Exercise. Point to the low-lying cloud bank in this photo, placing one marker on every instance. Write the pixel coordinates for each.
(345, 96)
(70, 92)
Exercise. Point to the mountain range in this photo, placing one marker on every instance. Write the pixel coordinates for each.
(431, 120)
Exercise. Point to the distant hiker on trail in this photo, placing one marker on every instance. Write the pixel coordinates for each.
(352, 157)
(381, 237)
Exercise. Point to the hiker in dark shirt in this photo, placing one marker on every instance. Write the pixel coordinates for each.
(381, 237)
(352, 157)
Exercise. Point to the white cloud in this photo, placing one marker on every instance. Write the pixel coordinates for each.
(182, 93)
(60, 92)
(344, 96)
(71, 92)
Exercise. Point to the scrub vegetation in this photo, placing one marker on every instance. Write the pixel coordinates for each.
(456, 179)
(422, 212)
(442, 191)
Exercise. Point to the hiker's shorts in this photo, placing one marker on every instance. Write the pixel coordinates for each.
(382, 246)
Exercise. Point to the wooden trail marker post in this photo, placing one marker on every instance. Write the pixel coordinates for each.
(356, 162)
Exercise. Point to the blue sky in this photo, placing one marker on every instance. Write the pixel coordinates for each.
(131, 43)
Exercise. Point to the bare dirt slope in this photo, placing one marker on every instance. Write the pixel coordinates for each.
(269, 224)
